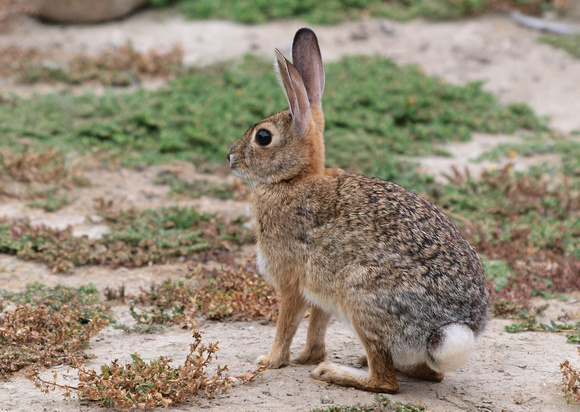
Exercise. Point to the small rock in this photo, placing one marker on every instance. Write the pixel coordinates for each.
(326, 400)
(387, 27)
(359, 34)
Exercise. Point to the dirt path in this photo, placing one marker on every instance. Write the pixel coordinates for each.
(507, 372)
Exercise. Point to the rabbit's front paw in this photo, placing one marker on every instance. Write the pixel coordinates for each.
(273, 361)
(311, 356)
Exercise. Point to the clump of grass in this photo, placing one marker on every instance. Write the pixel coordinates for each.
(569, 43)
(530, 324)
(139, 328)
(137, 238)
(216, 294)
(143, 385)
(570, 381)
(121, 66)
(397, 109)
(48, 326)
(52, 202)
(382, 404)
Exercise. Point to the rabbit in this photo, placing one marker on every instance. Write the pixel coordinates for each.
(367, 250)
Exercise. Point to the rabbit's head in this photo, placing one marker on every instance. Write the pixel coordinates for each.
(288, 144)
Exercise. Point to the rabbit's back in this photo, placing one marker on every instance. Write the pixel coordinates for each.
(393, 260)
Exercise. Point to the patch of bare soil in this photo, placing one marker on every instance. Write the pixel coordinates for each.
(507, 372)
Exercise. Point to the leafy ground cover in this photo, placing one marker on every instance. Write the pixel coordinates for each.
(382, 404)
(137, 238)
(46, 326)
(218, 294)
(570, 43)
(123, 66)
(203, 187)
(396, 110)
(330, 12)
(43, 177)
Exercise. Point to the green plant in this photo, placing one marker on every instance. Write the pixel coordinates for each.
(136, 239)
(530, 324)
(52, 202)
(330, 12)
(382, 404)
(569, 43)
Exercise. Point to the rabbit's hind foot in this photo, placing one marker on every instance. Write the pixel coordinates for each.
(424, 372)
(346, 376)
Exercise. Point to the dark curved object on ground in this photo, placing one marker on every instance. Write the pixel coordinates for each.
(86, 11)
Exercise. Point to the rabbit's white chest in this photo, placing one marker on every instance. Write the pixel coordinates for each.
(324, 303)
(261, 262)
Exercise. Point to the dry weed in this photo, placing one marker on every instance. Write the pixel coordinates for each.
(120, 66)
(217, 294)
(570, 381)
(32, 175)
(54, 331)
(145, 385)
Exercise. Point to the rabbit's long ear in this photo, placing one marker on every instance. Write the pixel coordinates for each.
(295, 92)
(307, 59)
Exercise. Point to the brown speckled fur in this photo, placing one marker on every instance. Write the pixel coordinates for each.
(367, 250)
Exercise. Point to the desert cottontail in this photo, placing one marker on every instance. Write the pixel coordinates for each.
(367, 250)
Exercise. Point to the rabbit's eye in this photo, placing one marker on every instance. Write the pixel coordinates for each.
(263, 137)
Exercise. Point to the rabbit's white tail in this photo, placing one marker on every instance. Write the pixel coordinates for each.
(449, 347)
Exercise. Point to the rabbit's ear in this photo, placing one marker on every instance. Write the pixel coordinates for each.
(307, 59)
(295, 92)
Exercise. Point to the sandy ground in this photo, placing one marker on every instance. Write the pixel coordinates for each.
(506, 373)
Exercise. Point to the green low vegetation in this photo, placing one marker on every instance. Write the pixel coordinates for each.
(382, 404)
(374, 110)
(137, 238)
(335, 11)
(569, 43)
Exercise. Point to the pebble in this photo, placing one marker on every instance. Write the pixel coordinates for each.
(326, 400)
